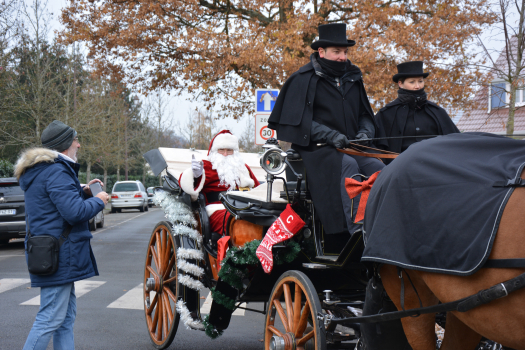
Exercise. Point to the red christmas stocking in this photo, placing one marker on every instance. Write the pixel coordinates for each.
(286, 225)
(222, 249)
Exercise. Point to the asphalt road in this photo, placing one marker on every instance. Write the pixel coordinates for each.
(109, 306)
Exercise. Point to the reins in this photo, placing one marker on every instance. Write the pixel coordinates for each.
(497, 291)
(355, 151)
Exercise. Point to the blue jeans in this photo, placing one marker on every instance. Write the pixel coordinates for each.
(56, 317)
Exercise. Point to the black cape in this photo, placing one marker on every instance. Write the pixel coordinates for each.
(292, 119)
(394, 115)
(435, 207)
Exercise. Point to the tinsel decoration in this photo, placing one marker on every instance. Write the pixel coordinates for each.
(186, 318)
(190, 282)
(234, 265)
(183, 224)
(190, 268)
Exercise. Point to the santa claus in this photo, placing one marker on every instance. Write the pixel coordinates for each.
(223, 171)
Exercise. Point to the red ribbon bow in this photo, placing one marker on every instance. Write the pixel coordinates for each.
(354, 188)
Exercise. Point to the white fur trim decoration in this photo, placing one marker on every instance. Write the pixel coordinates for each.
(228, 141)
(33, 156)
(212, 208)
(187, 183)
(186, 318)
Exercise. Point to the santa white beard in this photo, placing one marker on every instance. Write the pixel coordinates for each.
(231, 170)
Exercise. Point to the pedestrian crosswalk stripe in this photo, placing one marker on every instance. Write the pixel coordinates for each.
(11, 283)
(205, 308)
(133, 299)
(81, 288)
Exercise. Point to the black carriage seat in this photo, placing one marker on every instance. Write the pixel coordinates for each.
(252, 205)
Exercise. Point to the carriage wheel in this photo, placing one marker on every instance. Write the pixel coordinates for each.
(161, 290)
(291, 321)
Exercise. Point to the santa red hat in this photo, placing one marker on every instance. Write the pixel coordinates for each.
(223, 139)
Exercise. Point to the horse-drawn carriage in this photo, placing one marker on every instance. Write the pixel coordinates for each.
(312, 299)
(300, 295)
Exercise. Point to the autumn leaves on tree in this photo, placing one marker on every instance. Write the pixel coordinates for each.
(221, 50)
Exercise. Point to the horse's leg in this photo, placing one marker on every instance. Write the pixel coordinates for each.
(458, 335)
(420, 331)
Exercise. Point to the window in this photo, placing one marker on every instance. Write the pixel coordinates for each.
(498, 95)
(125, 187)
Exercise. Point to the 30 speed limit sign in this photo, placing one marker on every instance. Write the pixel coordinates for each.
(262, 132)
(264, 102)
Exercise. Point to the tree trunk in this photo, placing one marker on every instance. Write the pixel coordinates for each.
(105, 180)
(512, 110)
(88, 172)
(118, 173)
(144, 174)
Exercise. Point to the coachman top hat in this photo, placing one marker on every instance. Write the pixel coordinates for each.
(409, 69)
(332, 35)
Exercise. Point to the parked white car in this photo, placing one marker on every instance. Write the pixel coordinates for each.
(129, 195)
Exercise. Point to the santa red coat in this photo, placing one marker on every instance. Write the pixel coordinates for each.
(210, 185)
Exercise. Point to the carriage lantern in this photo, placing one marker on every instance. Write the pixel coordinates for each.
(273, 162)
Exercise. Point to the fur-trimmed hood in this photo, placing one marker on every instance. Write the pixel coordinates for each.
(31, 157)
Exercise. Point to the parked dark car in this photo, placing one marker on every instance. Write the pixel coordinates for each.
(12, 210)
(151, 193)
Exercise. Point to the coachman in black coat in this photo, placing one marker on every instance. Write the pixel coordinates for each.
(411, 114)
(325, 102)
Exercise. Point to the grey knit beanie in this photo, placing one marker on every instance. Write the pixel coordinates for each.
(58, 136)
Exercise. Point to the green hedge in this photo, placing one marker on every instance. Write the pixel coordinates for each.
(7, 168)
(150, 180)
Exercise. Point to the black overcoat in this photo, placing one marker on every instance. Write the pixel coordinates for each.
(394, 117)
(304, 93)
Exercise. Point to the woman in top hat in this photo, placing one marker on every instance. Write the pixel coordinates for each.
(411, 114)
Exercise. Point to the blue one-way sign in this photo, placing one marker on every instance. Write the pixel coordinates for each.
(265, 100)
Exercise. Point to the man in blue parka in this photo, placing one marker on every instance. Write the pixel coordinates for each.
(54, 201)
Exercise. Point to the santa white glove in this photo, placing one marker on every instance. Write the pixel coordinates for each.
(196, 166)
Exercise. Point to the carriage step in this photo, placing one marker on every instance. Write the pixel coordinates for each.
(314, 266)
(330, 258)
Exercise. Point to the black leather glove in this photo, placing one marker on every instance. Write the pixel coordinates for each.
(362, 136)
(338, 141)
(323, 134)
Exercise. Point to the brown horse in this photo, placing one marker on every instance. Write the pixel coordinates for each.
(502, 320)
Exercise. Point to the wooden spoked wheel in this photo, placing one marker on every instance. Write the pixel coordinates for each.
(161, 290)
(291, 321)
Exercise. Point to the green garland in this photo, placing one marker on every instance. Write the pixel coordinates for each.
(233, 273)
(222, 299)
(210, 331)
